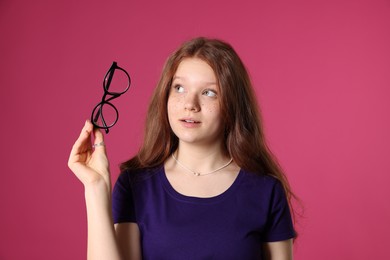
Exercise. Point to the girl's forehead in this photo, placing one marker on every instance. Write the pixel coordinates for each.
(195, 69)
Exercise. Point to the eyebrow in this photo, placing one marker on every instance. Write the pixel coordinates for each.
(206, 82)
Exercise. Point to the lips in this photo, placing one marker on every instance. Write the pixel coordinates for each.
(189, 122)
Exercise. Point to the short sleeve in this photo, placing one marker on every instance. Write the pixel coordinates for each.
(122, 200)
(279, 224)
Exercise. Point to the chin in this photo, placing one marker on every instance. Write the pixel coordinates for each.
(188, 139)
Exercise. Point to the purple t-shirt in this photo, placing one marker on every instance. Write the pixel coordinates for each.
(231, 225)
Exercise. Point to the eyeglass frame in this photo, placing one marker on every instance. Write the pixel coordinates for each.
(106, 85)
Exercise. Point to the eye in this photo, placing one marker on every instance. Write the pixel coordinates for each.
(179, 88)
(210, 93)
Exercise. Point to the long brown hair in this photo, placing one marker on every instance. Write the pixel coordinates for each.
(244, 135)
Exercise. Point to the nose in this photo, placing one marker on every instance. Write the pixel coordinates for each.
(192, 102)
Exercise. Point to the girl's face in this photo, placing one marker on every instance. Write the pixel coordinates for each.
(194, 111)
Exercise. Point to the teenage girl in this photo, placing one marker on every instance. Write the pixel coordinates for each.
(204, 184)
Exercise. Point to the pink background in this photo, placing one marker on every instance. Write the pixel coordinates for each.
(321, 70)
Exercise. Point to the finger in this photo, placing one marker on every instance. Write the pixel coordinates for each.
(85, 135)
(83, 142)
(99, 139)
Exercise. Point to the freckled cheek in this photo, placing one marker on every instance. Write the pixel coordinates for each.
(174, 105)
(212, 108)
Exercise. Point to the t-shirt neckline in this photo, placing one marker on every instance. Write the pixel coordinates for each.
(198, 200)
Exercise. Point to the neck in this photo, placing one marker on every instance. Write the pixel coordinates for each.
(201, 158)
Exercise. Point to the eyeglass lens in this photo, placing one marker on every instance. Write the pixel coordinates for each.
(105, 115)
(116, 81)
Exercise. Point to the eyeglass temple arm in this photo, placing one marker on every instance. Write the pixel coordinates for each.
(110, 75)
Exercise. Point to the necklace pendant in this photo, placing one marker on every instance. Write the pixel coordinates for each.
(196, 173)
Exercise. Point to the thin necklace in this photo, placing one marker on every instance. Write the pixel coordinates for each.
(198, 173)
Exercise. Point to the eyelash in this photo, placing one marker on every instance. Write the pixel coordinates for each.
(205, 92)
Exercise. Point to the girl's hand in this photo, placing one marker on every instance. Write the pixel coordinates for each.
(89, 164)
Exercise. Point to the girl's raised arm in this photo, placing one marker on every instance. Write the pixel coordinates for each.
(91, 166)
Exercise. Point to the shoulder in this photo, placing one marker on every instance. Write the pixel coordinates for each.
(139, 174)
(263, 181)
(260, 186)
(134, 177)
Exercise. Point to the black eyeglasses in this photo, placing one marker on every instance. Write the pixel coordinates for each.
(105, 115)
